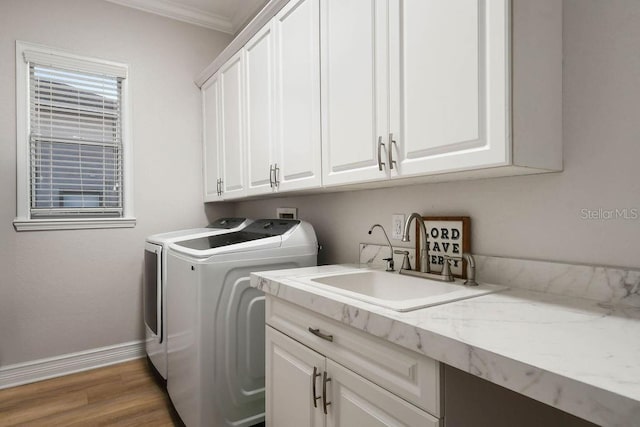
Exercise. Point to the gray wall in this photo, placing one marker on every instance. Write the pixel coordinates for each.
(537, 217)
(67, 291)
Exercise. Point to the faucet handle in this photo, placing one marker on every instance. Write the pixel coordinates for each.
(390, 264)
(406, 264)
(446, 268)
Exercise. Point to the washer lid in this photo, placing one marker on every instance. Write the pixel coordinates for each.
(260, 229)
(219, 226)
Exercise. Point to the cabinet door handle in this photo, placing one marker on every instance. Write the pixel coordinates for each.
(276, 172)
(325, 380)
(380, 145)
(221, 187)
(271, 176)
(316, 374)
(317, 333)
(218, 187)
(392, 143)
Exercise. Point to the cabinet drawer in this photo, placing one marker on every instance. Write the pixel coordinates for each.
(412, 376)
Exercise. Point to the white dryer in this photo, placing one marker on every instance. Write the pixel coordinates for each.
(154, 289)
(216, 330)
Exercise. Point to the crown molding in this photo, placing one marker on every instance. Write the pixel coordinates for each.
(261, 19)
(173, 10)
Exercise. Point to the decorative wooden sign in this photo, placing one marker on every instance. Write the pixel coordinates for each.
(446, 235)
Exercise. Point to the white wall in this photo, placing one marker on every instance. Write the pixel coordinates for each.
(537, 217)
(67, 291)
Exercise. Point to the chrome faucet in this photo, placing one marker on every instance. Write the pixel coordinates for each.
(471, 269)
(424, 252)
(389, 260)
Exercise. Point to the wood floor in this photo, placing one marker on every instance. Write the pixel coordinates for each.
(120, 395)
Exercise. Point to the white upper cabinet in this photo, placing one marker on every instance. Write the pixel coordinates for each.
(298, 155)
(423, 88)
(282, 63)
(372, 92)
(354, 90)
(449, 84)
(232, 151)
(211, 138)
(426, 79)
(259, 77)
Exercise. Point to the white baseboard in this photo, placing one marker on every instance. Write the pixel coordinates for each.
(38, 370)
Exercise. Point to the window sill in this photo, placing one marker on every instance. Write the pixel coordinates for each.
(21, 224)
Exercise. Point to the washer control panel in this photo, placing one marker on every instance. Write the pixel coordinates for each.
(227, 223)
(272, 227)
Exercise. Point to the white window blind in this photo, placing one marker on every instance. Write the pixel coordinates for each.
(75, 143)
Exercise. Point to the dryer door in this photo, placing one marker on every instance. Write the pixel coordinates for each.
(152, 291)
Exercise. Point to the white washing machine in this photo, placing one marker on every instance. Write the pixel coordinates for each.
(154, 287)
(216, 330)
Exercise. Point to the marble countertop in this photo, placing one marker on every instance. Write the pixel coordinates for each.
(578, 355)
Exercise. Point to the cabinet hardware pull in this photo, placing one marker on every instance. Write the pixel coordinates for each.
(380, 145)
(221, 187)
(317, 333)
(392, 143)
(271, 176)
(325, 380)
(276, 172)
(218, 187)
(316, 374)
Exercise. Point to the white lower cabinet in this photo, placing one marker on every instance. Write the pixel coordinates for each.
(290, 382)
(355, 401)
(322, 373)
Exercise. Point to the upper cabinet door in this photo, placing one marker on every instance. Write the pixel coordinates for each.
(449, 84)
(211, 138)
(258, 65)
(354, 90)
(232, 130)
(297, 71)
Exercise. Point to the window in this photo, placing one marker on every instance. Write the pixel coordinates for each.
(72, 146)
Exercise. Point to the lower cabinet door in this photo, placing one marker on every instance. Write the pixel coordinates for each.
(357, 402)
(290, 383)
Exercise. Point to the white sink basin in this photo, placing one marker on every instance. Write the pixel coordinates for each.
(397, 292)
